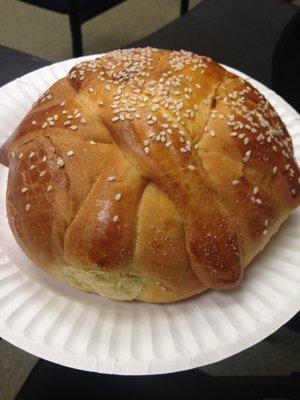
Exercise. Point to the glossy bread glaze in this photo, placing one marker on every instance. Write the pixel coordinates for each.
(149, 174)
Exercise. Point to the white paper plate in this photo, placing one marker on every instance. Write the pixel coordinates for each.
(85, 331)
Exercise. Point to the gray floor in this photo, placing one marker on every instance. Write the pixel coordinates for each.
(15, 365)
(46, 34)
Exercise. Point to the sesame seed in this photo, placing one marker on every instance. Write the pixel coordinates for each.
(235, 182)
(44, 158)
(246, 141)
(258, 201)
(111, 178)
(51, 123)
(27, 207)
(60, 162)
(168, 144)
(74, 127)
(233, 134)
(293, 191)
(21, 155)
(100, 103)
(67, 123)
(253, 199)
(24, 190)
(31, 154)
(91, 90)
(188, 145)
(62, 103)
(115, 119)
(92, 142)
(118, 196)
(275, 169)
(212, 134)
(45, 124)
(70, 116)
(191, 167)
(286, 155)
(147, 150)
(255, 190)
(32, 167)
(42, 173)
(83, 121)
(115, 218)
(49, 188)
(70, 153)
(265, 232)
(266, 222)
(33, 122)
(183, 150)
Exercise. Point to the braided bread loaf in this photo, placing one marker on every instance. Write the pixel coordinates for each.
(149, 174)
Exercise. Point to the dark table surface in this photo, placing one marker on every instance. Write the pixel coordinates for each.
(15, 63)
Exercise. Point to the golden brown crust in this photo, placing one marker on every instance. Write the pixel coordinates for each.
(149, 174)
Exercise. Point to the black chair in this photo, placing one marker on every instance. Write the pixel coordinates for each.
(80, 11)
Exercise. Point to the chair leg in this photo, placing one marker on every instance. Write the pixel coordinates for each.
(75, 29)
(184, 6)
